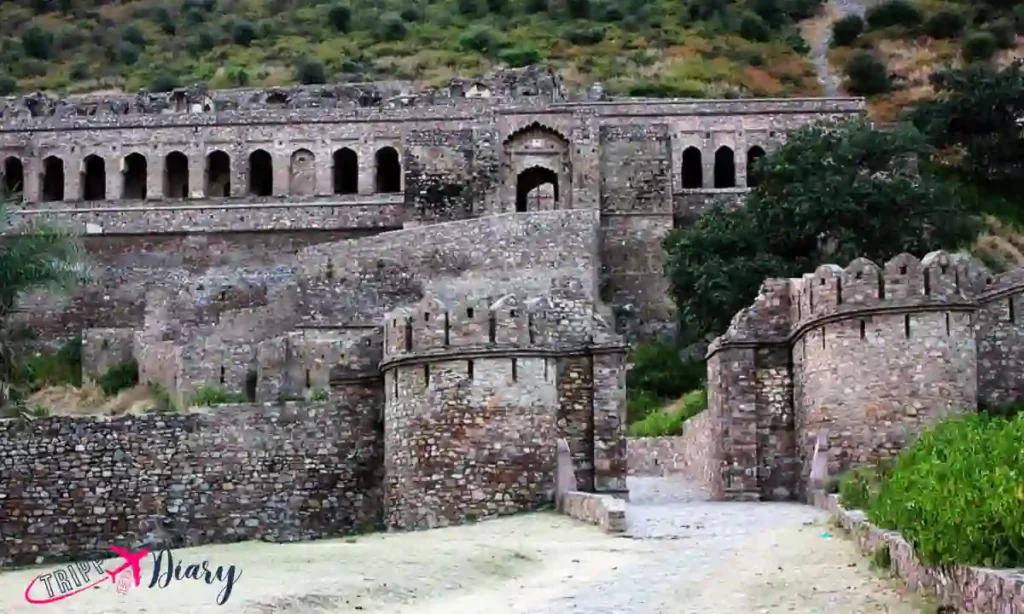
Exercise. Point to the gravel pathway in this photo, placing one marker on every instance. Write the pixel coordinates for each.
(818, 32)
(682, 554)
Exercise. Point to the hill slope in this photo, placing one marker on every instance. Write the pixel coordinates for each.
(643, 47)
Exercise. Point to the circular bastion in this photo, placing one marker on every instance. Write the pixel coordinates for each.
(470, 413)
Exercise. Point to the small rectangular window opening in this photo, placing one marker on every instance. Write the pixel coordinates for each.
(469, 368)
(515, 371)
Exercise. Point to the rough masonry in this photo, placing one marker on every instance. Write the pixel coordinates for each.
(868, 354)
(185, 182)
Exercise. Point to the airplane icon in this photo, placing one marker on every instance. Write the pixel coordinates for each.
(131, 560)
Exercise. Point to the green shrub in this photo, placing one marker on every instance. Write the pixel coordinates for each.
(846, 30)
(584, 35)
(578, 9)
(670, 421)
(319, 395)
(517, 57)
(979, 47)
(48, 368)
(754, 28)
(310, 72)
(1004, 32)
(894, 13)
(867, 74)
(945, 24)
(392, 27)
(480, 39)
(164, 82)
(243, 33)
(8, 85)
(207, 395)
(340, 17)
(649, 88)
(120, 377)
(859, 487)
(37, 42)
(958, 493)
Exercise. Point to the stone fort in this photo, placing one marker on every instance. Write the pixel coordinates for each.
(460, 271)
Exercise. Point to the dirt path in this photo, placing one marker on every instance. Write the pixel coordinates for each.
(818, 34)
(683, 555)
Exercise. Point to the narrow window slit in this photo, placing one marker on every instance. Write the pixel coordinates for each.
(469, 368)
(906, 326)
(447, 331)
(927, 283)
(947, 323)
(515, 371)
(839, 291)
(408, 335)
(492, 328)
(863, 330)
(426, 375)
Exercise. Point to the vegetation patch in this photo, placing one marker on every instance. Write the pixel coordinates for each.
(669, 420)
(208, 395)
(631, 45)
(958, 493)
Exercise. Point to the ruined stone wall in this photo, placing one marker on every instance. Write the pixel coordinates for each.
(73, 486)
(871, 355)
(479, 391)
(366, 159)
(691, 454)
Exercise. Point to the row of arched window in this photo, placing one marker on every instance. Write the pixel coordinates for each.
(218, 184)
(724, 169)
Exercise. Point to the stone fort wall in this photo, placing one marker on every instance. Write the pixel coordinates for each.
(869, 355)
(233, 170)
(74, 486)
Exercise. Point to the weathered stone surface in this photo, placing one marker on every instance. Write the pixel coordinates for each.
(968, 589)
(163, 174)
(74, 486)
(605, 511)
(870, 354)
(690, 454)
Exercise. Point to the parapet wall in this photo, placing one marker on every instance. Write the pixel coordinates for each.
(869, 355)
(73, 486)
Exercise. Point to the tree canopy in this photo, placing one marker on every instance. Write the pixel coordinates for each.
(977, 117)
(834, 192)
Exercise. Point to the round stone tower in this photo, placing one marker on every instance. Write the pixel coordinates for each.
(470, 411)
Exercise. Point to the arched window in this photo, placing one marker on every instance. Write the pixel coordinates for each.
(176, 175)
(725, 168)
(94, 178)
(53, 179)
(389, 171)
(135, 177)
(754, 174)
(261, 174)
(346, 171)
(693, 169)
(218, 175)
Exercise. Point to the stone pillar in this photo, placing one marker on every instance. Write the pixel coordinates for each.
(196, 175)
(324, 170)
(155, 165)
(732, 397)
(32, 169)
(282, 171)
(609, 375)
(367, 168)
(73, 170)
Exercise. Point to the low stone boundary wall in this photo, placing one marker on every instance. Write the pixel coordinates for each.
(605, 511)
(969, 589)
(689, 454)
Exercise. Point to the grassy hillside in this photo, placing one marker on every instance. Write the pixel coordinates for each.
(643, 47)
(911, 39)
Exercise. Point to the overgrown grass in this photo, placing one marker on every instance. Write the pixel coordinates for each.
(669, 421)
(957, 494)
(207, 395)
(656, 47)
(53, 368)
(120, 377)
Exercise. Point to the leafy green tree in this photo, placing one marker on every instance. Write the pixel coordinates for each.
(945, 24)
(754, 28)
(8, 85)
(976, 114)
(243, 32)
(980, 47)
(834, 192)
(894, 13)
(39, 256)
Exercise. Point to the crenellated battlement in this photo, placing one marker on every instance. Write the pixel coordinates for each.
(507, 323)
(785, 308)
